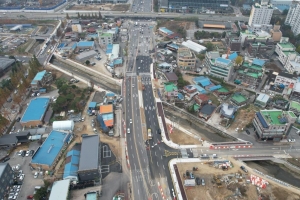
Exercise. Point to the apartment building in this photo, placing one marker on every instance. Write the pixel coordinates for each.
(292, 17)
(273, 124)
(6, 179)
(287, 55)
(185, 58)
(260, 16)
(219, 66)
(105, 38)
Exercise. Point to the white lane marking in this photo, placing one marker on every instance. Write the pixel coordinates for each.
(155, 153)
(132, 155)
(161, 157)
(157, 164)
(131, 146)
(163, 166)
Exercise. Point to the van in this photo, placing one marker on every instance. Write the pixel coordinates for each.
(120, 100)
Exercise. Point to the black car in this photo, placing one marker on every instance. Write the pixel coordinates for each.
(23, 153)
(198, 181)
(18, 119)
(6, 159)
(244, 169)
(248, 132)
(158, 131)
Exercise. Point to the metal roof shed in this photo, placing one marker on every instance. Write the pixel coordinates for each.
(67, 125)
(60, 190)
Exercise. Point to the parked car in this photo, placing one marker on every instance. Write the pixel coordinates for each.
(198, 181)
(27, 153)
(248, 132)
(6, 159)
(31, 152)
(23, 153)
(36, 174)
(192, 175)
(158, 131)
(30, 197)
(244, 169)
(18, 119)
(202, 182)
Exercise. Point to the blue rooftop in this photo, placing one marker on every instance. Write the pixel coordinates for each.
(118, 61)
(71, 168)
(200, 89)
(223, 61)
(74, 46)
(85, 43)
(38, 77)
(233, 56)
(258, 62)
(109, 48)
(49, 150)
(180, 96)
(173, 46)
(92, 104)
(167, 31)
(110, 94)
(204, 81)
(61, 45)
(36, 109)
(262, 120)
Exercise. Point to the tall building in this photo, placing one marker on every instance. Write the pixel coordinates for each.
(292, 17)
(6, 178)
(260, 15)
(194, 6)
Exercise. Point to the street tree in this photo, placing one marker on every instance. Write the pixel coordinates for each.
(238, 61)
(17, 99)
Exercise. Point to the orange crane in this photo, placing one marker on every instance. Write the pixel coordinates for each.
(228, 52)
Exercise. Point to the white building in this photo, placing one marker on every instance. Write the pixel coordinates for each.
(285, 79)
(67, 125)
(60, 190)
(261, 14)
(292, 17)
(76, 28)
(287, 55)
(194, 46)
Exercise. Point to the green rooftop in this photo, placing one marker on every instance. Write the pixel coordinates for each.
(286, 45)
(253, 66)
(291, 114)
(222, 89)
(289, 52)
(295, 105)
(239, 98)
(272, 116)
(252, 74)
(170, 87)
(105, 35)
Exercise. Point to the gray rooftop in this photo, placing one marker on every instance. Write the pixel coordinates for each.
(89, 155)
(86, 54)
(5, 63)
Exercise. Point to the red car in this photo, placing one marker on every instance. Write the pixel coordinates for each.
(30, 197)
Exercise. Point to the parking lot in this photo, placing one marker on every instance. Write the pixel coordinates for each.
(29, 182)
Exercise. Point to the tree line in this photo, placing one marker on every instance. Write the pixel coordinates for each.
(19, 80)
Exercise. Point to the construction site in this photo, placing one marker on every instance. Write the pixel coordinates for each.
(225, 179)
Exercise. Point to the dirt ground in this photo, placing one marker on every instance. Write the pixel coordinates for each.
(179, 137)
(213, 191)
(188, 78)
(120, 7)
(244, 117)
(174, 25)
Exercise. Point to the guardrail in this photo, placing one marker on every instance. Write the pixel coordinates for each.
(198, 120)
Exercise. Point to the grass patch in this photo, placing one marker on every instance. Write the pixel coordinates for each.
(214, 99)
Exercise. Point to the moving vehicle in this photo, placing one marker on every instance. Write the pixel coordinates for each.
(149, 134)
(128, 130)
(36, 174)
(143, 86)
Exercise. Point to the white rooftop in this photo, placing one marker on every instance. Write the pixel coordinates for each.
(60, 190)
(263, 98)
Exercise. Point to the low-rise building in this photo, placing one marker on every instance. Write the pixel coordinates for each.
(6, 179)
(171, 77)
(273, 124)
(201, 99)
(170, 90)
(250, 73)
(206, 111)
(259, 36)
(287, 55)
(105, 38)
(60, 190)
(194, 46)
(295, 94)
(13, 139)
(285, 79)
(86, 45)
(165, 32)
(71, 165)
(228, 110)
(219, 66)
(76, 28)
(89, 159)
(82, 57)
(276, 34)
(185, 58)
(262, 100)
(238, 99)
(5, 65)
(40, 80)
(295, 107)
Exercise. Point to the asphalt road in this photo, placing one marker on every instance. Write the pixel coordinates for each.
(73, 13)
(141, 6)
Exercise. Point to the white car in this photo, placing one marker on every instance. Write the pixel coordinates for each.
(128, 130)
(132, 85)
(130, 121)
(36, 174)
(27, 153)
(291, 140)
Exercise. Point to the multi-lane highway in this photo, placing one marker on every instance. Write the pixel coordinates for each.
(73, 13)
